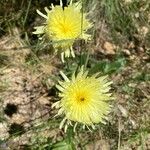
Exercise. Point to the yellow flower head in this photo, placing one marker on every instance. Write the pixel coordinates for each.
(84, 99)
(64, 26)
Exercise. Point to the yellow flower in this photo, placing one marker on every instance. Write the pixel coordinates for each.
(64, 26)
(84, 99)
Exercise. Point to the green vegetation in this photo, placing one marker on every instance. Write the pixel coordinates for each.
(29, 71)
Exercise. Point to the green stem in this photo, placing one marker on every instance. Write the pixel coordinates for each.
(25, 18)
(87, 59)
(81, 34)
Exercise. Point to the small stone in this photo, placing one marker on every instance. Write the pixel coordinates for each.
(127, 52)
(128, 1)
(123, 110)
(137, 15)
(109, 48)
(143, 30)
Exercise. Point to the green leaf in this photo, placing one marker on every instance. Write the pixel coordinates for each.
(107, 67)
(62, 145)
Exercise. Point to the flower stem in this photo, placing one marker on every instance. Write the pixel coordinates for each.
(87, 59)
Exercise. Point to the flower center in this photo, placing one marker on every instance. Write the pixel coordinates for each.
(81, 97)
(64, 28)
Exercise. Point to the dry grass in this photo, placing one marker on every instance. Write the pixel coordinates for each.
(28, 73)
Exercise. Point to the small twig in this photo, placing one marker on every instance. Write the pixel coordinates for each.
(119, 131)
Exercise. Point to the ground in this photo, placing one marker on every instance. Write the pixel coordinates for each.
(28, 74)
